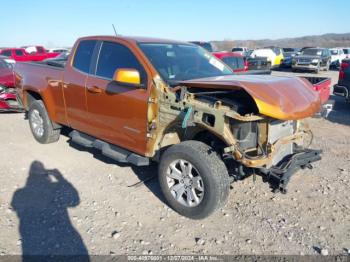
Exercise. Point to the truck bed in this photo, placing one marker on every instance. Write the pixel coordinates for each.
(321, 85)
(42, 76)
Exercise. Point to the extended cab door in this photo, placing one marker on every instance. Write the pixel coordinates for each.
(74, 85)
(118, 112)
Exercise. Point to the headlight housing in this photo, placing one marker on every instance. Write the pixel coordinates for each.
(314, 61)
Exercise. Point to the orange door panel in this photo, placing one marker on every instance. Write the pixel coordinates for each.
(118, 116)
(117, 111)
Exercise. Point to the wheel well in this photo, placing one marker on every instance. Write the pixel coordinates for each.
(32, 96)
(175, 136)
(210, 139)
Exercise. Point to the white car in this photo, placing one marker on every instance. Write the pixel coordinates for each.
(240, 50)
(346, 52)
(265, 52)
(337, 55)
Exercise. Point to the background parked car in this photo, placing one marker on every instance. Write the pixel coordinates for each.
(234, 60)
(337, 55)
(240, 50)
(8, 98)
(244, 65)
(205, 45)
(279, 56)
(17, 54)
(258, 65)
(312, 59)
(346, 51)
(266, 53)
(342, 88)
(288, 54)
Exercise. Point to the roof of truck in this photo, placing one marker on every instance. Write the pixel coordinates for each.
(137, 39)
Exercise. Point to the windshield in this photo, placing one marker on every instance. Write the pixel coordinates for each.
(288, 49)
(334, 52)
(178, 62)
(237, 49)
(312, 51)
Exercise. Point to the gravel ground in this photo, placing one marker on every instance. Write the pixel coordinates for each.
(62, 199)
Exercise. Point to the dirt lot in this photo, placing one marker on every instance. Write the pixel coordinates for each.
(62, 199)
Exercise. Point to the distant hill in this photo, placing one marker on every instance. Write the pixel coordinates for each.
(326, 40)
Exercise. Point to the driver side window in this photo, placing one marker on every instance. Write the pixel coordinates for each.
(114, 56)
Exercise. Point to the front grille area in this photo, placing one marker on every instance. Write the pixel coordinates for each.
(304, 60)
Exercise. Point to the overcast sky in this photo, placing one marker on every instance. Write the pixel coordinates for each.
(60, 22)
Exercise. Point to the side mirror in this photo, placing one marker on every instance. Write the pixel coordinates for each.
(127, 77)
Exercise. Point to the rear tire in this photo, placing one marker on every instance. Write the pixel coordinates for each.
(197, 193)
(40, 124)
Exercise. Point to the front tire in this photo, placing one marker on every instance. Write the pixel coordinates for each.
(40, 123)
(193, 179)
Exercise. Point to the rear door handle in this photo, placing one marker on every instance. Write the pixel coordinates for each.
(94, 89)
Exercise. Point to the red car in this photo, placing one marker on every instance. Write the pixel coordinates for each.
(17, 54)
(8, 99)
(322, 85)
(244, 65)
(233, 60)
(6, 73)
(20, 55)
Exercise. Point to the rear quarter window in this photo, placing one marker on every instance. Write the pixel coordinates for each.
(40, 50)
(6, 53)
(83, 55)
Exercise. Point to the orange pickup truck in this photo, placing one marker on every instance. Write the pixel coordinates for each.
(140, 100)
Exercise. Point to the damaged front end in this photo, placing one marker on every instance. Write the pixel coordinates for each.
(256, 143)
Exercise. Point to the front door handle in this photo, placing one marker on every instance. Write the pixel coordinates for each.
(94, 89)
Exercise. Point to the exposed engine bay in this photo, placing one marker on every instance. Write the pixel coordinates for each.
(255, 142)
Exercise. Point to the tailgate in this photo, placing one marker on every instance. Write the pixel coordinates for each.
(258, 63)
